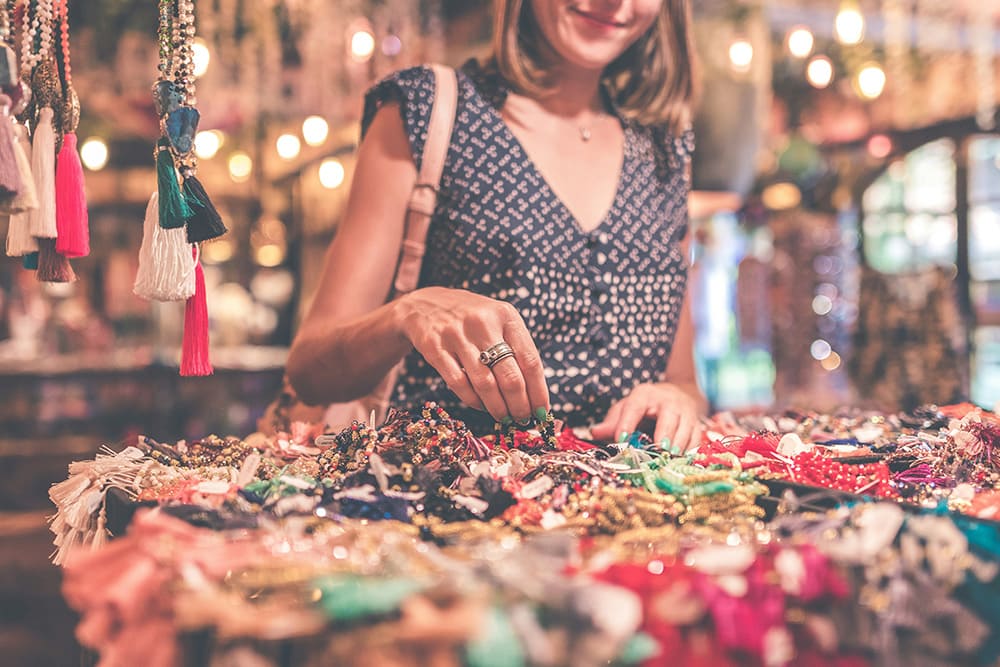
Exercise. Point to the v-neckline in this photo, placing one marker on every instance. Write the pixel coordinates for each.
(577, 225)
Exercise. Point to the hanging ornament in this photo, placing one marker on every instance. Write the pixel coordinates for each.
(14, 97)
(72, 223)
(180, 215)
(44, 117)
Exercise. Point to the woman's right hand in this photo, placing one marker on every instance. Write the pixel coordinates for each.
(451, 327)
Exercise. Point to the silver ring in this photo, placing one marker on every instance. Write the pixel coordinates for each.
(494, 354)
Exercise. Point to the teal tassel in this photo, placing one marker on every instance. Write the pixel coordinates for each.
(30, 261)
(206, 224)
(174, 209)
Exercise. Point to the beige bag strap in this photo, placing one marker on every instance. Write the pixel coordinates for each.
(423, 199)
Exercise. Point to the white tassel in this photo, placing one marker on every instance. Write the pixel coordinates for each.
(27, 198)
(166, 268)
(20, 242)
(43, 168)
(80, 518)
(101, 533)
(68, 490)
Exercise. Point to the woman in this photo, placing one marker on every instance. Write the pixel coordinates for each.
(560, 231)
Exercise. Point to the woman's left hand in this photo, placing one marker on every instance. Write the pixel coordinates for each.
(675, 411)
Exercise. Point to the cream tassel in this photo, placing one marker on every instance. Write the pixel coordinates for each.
(20, 242)
(43, 167)
(166, 269)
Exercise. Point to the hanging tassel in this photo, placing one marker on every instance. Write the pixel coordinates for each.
(71, 202)
(53, 267)
(174, 210)
(206, 224)
(10, 176)
(194, 351)
(26, 198)
(30, 261)
(43, 167)
(20, 242)
(166, 272)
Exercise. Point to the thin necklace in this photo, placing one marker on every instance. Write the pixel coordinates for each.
(586, 131)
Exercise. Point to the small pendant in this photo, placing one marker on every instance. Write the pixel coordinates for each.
(585, 133)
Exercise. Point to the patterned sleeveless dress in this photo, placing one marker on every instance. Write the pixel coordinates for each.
(603, 305)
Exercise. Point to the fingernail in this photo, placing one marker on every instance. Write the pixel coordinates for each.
(541, 413)
(665, 443)
(506, 421)
(623, 436)
(523, 422)
(675, 450)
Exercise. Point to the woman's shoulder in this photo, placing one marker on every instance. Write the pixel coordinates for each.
(670, 147)
(412, 89)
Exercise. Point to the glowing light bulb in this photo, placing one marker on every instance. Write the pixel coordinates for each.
(800, 42)
(362, 45)
(240, 166)
(849, 25)
(741, 55)
(331, 173)
(315, 130)
(820, 349)
(207, 143)
(819, 72)
(832, 362)
(288, 146)
(871, 81)
(200, 57)
(94, 154)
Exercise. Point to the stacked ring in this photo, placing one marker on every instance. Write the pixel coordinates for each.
(494, 354)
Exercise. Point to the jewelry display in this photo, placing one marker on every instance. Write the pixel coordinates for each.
(180, 214)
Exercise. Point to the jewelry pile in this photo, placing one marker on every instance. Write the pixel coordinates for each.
(418, 541)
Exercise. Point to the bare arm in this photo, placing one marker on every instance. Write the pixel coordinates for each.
(349, 339)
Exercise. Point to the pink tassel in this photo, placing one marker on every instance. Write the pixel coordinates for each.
(194, 352)
(71, 202)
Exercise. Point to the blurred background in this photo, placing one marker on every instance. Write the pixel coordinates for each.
(846, 218)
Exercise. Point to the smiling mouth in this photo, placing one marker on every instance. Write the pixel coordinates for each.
(599, 19)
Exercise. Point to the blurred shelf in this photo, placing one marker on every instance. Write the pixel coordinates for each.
(242, 358)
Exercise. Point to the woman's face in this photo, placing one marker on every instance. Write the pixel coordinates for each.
(592, 33)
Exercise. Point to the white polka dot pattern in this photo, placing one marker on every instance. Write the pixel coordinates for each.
(602, 306)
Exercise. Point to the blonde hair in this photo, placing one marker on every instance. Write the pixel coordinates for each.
(653, 81)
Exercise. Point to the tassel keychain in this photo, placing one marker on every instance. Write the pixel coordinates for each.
(194, 351)
(178, 217)
(72, 223)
